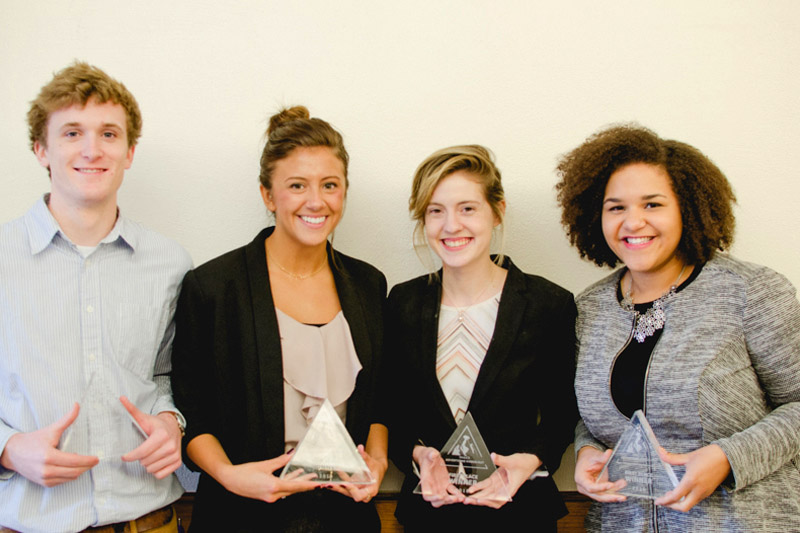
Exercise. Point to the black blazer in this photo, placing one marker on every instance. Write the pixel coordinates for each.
(227, 375)
(523, 400)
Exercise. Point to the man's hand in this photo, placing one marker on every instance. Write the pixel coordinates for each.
(35, 455)
(160, 453)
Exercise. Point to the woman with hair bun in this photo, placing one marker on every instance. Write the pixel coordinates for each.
(265, 333)
(478, 336)
(708, 346)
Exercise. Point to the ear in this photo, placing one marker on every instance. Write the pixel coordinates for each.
(129, 157)
(502, 207)
(41, 154)
(266, 196)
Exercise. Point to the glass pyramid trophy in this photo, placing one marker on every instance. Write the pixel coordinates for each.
(468, 460)
(328, 451)
(635, 459)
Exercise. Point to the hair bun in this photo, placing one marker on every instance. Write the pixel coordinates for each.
(287, 114)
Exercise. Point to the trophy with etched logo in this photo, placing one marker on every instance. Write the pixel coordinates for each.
(468, 461)
(328, 451)
(635, 460)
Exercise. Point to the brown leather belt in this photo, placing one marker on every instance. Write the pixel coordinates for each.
(152, 520)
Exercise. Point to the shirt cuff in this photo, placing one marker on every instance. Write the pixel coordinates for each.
(164, 403)
(5, 434)
(542, 471)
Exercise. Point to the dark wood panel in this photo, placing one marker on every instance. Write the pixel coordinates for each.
(578, 506)
(386, 504)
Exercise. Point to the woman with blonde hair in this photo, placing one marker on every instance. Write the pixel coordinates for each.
(478, 336)
(266, 333)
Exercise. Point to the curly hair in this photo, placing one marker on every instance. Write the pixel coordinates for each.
(293, 128)
(704, 194)
(75, 85)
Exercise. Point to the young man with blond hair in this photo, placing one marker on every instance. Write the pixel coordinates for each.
(89, 436)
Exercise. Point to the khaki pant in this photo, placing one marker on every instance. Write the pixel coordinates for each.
(161, 521)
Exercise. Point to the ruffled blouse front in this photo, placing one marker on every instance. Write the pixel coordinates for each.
(319, 362)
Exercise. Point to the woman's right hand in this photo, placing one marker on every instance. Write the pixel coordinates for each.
(588, 466)
(434, 478)
(257, 480)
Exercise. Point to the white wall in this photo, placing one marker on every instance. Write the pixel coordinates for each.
(400, 79)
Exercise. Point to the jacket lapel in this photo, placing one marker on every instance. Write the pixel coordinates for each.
(512, 308)
(267, 336)
(429, 340)
(357, 322)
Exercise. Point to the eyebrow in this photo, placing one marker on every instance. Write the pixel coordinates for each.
(79, 124)
(333, 176)
(645, 197)
(463, 202)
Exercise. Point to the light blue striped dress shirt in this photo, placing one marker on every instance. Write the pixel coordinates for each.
(88, 330)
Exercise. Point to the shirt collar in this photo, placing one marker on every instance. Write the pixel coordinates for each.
(43, 229)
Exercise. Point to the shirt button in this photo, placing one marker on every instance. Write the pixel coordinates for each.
(91, 357)
(90, 309)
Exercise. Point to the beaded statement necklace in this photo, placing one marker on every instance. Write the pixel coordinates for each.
(654, 318)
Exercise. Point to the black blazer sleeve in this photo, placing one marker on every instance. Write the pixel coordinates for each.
(226, 357)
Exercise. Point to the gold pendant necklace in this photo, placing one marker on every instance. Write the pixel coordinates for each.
(462, 310)
(297, 277)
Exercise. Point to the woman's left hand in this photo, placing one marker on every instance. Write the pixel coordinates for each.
(706, 469)
(363, 493)
(498, 489)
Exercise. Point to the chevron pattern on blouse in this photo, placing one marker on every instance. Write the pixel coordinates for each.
(464, 337)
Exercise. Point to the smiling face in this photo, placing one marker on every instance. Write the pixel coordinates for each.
(306, 195)
(87, 154)
(459, 221)
(642, 219)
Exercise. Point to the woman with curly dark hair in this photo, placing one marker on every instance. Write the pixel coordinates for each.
(708, 346)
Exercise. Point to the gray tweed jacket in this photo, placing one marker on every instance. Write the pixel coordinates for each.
(727, 371)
